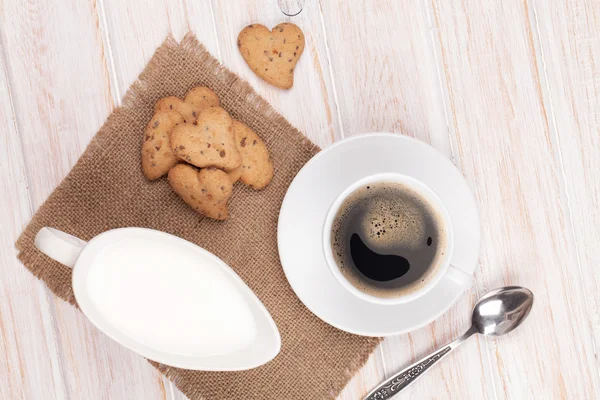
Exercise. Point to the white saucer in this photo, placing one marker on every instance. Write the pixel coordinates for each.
(305, 207)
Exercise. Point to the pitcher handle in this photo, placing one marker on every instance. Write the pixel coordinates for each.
(460, 277)
(59, 246)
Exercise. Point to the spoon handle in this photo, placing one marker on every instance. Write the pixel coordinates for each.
(391, 387)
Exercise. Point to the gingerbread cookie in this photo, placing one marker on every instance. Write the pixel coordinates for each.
(209, 143)
(257, 168)
(157, 156)
(272, 55)
(196, 100)
(206, 191)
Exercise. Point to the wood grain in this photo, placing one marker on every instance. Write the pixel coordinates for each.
(504, 140)
(60, 91)
(384, 69)
(568, 41)
(29, 363)
(508, 90)
(309, 105)
(134, 30)
(391, 47)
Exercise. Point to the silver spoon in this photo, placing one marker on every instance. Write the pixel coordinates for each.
(498, 312)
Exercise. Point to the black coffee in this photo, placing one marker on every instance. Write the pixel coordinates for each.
(387, 239)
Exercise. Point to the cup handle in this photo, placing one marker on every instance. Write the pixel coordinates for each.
(459, 277)
(59, 246)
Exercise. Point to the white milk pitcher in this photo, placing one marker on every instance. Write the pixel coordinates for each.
(166, 299)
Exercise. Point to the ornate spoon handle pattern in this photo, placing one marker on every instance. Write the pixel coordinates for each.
(402, 379)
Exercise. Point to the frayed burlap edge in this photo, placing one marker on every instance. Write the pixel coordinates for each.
(38, 263)
(35, 260)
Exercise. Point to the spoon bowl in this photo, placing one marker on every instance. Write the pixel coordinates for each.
(502, 310)
(497, 313)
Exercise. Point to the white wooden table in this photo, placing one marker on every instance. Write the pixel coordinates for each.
(510, 91)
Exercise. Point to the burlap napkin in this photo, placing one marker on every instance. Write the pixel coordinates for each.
(106, 190)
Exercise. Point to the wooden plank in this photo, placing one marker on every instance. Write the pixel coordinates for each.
(29, 352)
(134, 30)
(310, 104)
(99, 368)
(61, 96)
(384, 69)
(502, 129)
(386, 76)
(568, 41)
(519, 87)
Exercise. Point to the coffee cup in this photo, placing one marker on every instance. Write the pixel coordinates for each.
(389, 239)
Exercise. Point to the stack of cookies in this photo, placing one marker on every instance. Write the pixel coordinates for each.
(203, 151)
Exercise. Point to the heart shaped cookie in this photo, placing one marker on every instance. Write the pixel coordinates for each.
(157, 156)
(196, 100)
(202, 97)
(209, 143)
(256, 170)
(234, 174)
(272, 55)
(206, 191)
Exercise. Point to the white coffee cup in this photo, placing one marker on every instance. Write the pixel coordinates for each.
(443, 265)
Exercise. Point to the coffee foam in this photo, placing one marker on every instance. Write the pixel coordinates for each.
(390, 218)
